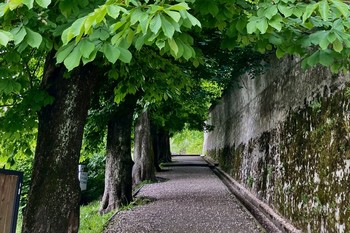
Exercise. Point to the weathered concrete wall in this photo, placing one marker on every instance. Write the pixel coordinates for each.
(286, 136)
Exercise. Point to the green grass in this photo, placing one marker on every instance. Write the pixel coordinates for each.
(90, 220)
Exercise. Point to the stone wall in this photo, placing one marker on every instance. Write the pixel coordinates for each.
(285, 135)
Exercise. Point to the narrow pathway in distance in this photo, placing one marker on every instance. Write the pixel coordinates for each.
(191, 200)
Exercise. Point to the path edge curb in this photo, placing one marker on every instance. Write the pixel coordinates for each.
(265, 215)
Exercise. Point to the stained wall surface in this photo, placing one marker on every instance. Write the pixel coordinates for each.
(285, 135)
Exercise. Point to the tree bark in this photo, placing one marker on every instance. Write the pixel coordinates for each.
(161, 146)
(118, 175)
(164, 138)
(53, 202)
(143, 151)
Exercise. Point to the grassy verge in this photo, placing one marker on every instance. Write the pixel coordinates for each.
(90, 220)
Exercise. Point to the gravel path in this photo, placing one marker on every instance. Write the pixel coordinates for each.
(191, 200)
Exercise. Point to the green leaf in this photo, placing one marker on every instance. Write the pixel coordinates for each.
(251, 26)
(160, 44)
(324, 10)
(9, 86)
(173, 46)
(309, 10)
(5, 37)
(125, 55)
(43, 3)
(167, 27)
(73, 59)
(262, 25)
(188, 52)
(112, 53)
(298, 11)
(275, 22)
(4, 7)
(76, 30)
(34, 39)
(313, 59)
(331, 37)
(324, 42)
(179, 7)
(13, 4)
(342, 7)
(276, 40)
(279, 53)
(28, 3)
(135, 16)
(140, 42)
(144, 22)
(337, 46)
(113, 11)
(194, 20)
(155, 24)
(18, 34)
(86, 48)
(64, 51)
(326, 58)
(174, 15)
(271, 11)
(285, 10)
(90, 58)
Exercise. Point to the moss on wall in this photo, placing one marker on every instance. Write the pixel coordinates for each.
(315, 159)
(301, 168)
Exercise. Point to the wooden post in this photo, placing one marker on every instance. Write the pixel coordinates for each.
(10, 187)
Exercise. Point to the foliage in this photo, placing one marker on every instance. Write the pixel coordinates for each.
(314, 30)
(187, 142)
(19, 222)
(20, 99)
(95, 165)
(86, 28)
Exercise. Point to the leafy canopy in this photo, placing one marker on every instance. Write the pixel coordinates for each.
(317, 31)
(109, 28)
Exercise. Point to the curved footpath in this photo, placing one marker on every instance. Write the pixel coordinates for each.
(191, 199)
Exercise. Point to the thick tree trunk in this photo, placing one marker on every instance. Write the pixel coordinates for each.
(143, 151)
(53, 204)
(161, 146)
(118, 178)
(164, 146)
(164, 138)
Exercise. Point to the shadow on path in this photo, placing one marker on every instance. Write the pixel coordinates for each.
(192, 199)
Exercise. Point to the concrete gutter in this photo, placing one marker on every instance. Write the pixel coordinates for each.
(265, 215)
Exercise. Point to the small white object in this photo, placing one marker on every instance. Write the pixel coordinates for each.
(83, 177)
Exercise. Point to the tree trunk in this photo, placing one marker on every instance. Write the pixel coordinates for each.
(164, 146)
(53, 204)
(156, 147)
(161, 146)
(118, 175)
(143, 151)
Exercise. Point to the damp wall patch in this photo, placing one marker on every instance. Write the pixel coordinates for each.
(286, 137)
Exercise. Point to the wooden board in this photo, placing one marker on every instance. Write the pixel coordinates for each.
(8, 186)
